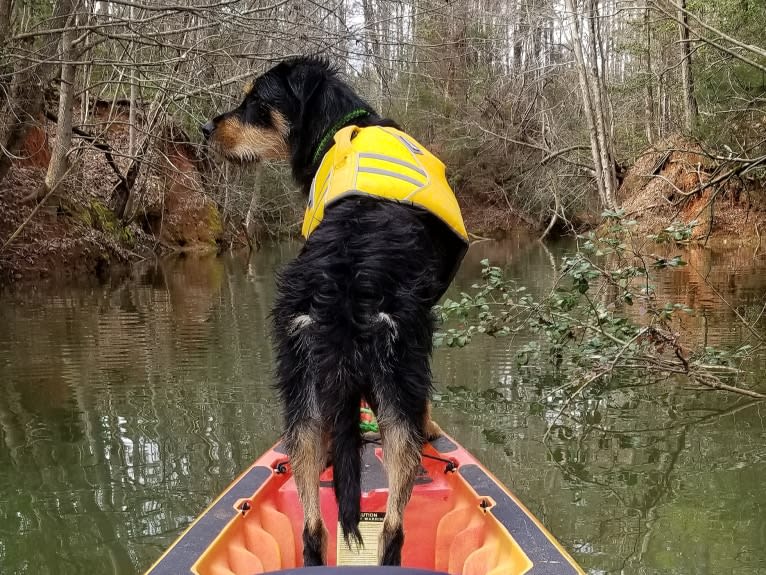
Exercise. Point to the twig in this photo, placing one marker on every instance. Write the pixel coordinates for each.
(665, 179)
(97, 143)
(590, 380)
(478, 237)
(715, 384)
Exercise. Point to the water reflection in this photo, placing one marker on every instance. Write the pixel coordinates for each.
(125, 407)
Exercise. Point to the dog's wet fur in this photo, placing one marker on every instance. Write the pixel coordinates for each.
(353, 315)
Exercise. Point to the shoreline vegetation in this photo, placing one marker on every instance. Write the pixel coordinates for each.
(79, 235)
(670, 185)
(547, 114)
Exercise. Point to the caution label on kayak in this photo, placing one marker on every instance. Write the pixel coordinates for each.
(370, 526)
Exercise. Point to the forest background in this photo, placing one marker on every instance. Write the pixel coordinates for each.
(547, 113)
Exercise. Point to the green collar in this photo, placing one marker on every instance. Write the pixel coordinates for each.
(358, 113)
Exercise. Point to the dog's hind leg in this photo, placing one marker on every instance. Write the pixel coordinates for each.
(307, 451)
(402, 444)
(400, 387)
(304, 438)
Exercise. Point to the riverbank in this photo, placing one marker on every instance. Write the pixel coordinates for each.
(90, 225)
(677, 184)
(77, 233)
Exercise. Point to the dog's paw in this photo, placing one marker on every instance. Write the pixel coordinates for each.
(433, 431)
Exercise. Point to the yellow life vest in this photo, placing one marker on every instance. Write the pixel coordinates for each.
(386, 163)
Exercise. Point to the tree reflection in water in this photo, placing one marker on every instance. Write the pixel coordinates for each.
(125, 408)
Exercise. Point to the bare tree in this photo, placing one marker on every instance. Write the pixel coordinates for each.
(649, 118)
(59, 160)
(5, 17)
(592, 89)
(687, 79)
(530, 103)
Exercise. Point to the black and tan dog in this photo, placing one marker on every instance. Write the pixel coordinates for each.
(353, 318)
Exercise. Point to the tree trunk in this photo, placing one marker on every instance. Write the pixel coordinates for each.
(250, 217)
(133, 103)
(594, 105)
(5, 18)
(371, 26)
(649, 119)
(604, 125)
(124, 198)
(664, 108)
(59, 162)
(518, 36)
(687, 80)
(373, 40)
(25, 106)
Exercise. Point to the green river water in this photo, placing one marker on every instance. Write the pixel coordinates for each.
(124, 408)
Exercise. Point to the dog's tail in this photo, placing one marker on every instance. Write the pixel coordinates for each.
(346, 446)
(351, 363)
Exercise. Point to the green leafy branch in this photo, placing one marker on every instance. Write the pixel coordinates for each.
(585, 329)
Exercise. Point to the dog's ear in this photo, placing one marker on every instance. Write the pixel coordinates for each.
(305, 79)
(303, 83)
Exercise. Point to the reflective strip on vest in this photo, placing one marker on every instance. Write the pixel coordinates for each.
(398, 169)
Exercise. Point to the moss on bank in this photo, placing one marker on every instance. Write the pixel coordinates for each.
(99, 217)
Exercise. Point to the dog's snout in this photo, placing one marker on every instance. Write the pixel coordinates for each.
(207, 129)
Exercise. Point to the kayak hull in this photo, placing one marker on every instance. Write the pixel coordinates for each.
(460, 520)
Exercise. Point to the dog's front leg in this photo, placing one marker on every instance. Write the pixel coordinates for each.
(431, 429)
(307, 454)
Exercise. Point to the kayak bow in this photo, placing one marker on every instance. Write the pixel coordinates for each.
(460, 520)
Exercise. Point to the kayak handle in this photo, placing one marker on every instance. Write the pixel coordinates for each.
(450, 464)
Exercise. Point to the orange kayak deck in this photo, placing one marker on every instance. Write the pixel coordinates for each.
(460, 520)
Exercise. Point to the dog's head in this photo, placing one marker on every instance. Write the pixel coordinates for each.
(264, 125)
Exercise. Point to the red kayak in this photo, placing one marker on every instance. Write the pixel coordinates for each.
(460, 520)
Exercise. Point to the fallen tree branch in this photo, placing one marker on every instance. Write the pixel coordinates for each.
(740, 170)
(715, 384)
